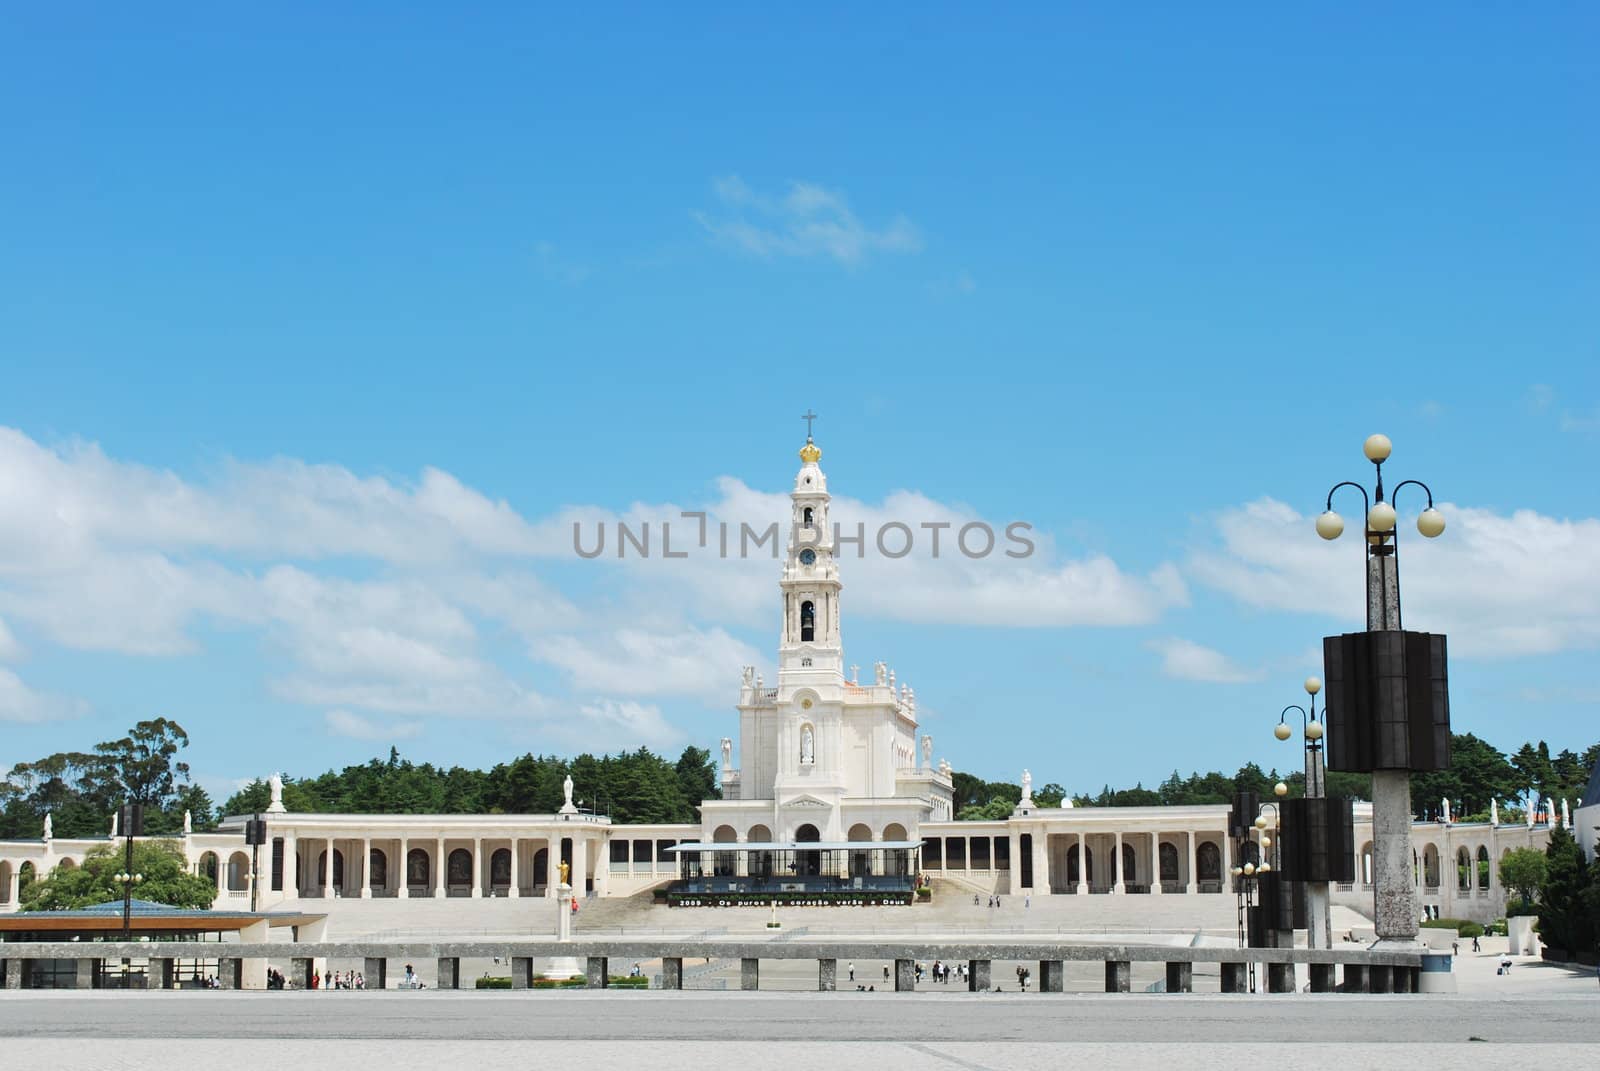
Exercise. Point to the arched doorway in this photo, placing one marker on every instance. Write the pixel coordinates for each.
(723, 864)
(458, 872)
(25, 875)
(1130, 866)
(896, 861)
(1208, 861)
(500, 870)
(1080, 873)
(238, 872)
(860, 858)
(760, 865)
(541, 867)
(1430, 866)
(417, 871)
(377, 869)
(1483, 867)
(808, 863)
(207, 866)
(1463, 870)
(1168, 853)
(5, 882)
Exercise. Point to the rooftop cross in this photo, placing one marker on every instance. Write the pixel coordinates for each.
(808, 416)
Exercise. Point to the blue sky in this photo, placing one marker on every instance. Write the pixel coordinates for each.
(317, 330)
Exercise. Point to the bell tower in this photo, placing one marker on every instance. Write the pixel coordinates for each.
(810, 646)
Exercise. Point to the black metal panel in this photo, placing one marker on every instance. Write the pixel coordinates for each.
(1388, 701)
(1246, 804)
(1318, 840)
(1282, 902)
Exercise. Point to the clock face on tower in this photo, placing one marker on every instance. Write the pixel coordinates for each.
(808, 557)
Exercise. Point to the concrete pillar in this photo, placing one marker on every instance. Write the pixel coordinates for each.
(1356, 979)
(1403, 980)
(1052, 976)
(449, 973)
(905, 976)
(978, 976)
(1280, 978)
(438, 867)
(13, 970)
(672, 972)
(160, 973)
(477, 867)
(1322, 978)
(1041, 864)
(516, 869)
(1119, 975)
(827, 975)
(580, 867)
(230, 970)
(1155, 864)
(1180, 977)
(1121, 884)
(300, 968)
(597, 972)
(1235, 978)
(375, 969)
(291, 867)
(1083, 865)
(521, 972)
(1190, 886)
(87, 969)
(327, 871)
(749, 971)
(253, 971)
(402, 888)
(1380, 978)
(366, 868)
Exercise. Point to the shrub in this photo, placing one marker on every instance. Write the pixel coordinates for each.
(924, 892)
(1464, 927)
(487, 982)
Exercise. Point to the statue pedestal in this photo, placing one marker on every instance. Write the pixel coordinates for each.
(564, 966)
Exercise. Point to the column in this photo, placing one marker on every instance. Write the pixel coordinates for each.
(516, 869)
(477, 867)
(552, 866)
(327, 871)
(741, 859)
(1190, 887)
(580, 866)
(827, 975)
(1119, 975)
(1155, 864)
(1083, 865)
(1121, 884)
(602, 876)
(366, 868)
(597, 972)
(1227, 863)
(291, 867)
(749, 969)
(875, 858)
(1041, 863)
(402, 888)
(438, 867)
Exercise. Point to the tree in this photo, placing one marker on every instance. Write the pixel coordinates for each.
(166, 880)
(1565, 921)
(1049, 795)
(1524, 870)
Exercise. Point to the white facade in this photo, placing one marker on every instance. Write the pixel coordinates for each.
(822, 757)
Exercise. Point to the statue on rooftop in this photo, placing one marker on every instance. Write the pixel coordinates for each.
(49, 828)
(275, 787)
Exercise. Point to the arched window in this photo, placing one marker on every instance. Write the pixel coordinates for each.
(760, 864)
(417, 868)
(723, 864)
(896, 861)
(25, 875)
(1430, 866)
(5, 882)
(1130, 865)
(207, 867)
(378, 869)
(500, 868)
(1463, 870)
(1208, 861)
(338, 868)
(808, 621)
(460, 868)
(1169, 863)
(541, 867)
(1483, 867)
(805, 518)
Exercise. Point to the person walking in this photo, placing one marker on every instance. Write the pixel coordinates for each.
(851, 966)
(1476, 947)
(886, 972)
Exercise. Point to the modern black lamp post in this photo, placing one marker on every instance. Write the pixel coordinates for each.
(130, 821)
(255, 835)
(1318, 904)
(1387, 708)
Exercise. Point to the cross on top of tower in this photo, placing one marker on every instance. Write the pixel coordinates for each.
(808, 416)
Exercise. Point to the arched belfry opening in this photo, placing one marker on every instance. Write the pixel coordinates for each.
(808, 621)
(805, 518)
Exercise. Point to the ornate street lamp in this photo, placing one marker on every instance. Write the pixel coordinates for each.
(130, 820)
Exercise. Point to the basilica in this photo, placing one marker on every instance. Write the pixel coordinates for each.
(829, 795)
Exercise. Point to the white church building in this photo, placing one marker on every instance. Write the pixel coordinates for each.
(833, 787)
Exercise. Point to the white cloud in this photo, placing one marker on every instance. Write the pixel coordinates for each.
(617, 725)
(1186, 660)
(344, 723)
(10, 649)
(635, 661)
(20, 703)
(806, 221)
(1497, 585)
